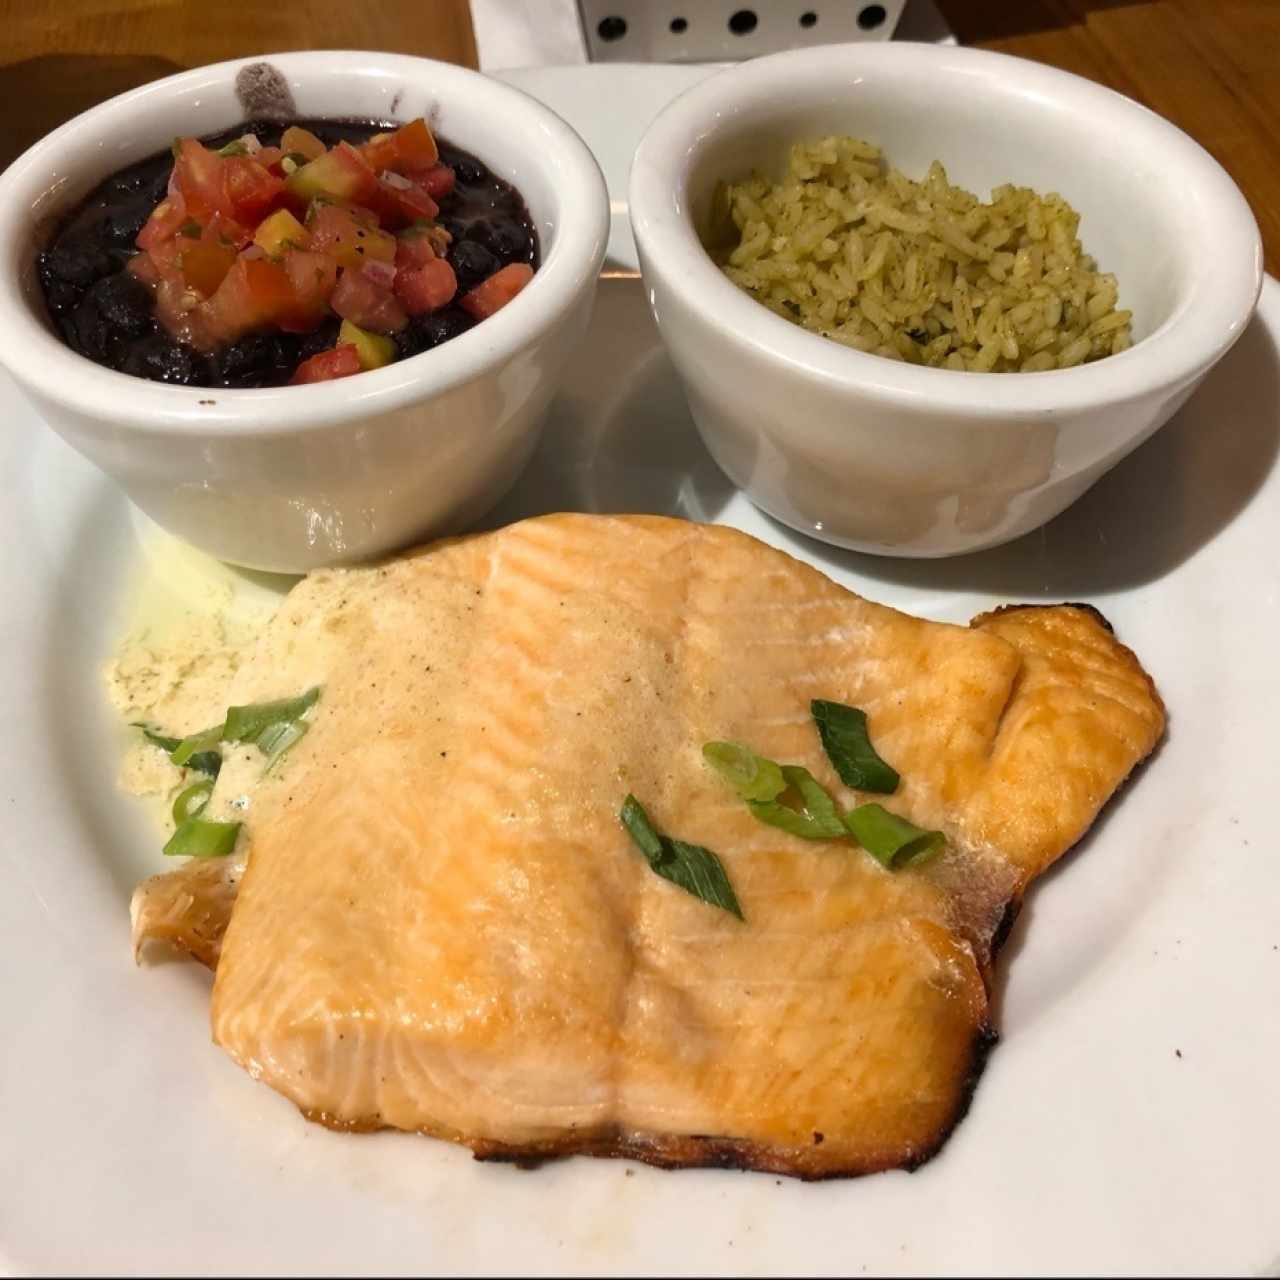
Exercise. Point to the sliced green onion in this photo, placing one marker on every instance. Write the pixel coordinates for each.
(890, 840)
(276, 740)
(235, 148)
(206, 740)
(751, 776)
(157, 739)
(192, 801)
(845, 739)
(267, 723)
(202, 761)
(694, 869)
(640, 829)
(813, 816)
(200, 838)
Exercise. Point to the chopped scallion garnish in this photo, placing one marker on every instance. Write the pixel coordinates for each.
(751, 776)
(790, 798)
(696, 870)
(640, 829)
(157, 739)
(199, 838)
(272, 726)
(275, 740)
(192, 801)
(891, 840)
(845, 739)
(202, 761)
(196, 744)
(804, 809)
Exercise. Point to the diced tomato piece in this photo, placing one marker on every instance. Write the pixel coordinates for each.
(141, 266)
(222, 237)
(163, 223)
(410, 147)
(398, 205)
(494, 293)
(436, 181)
(312, 277)
(269, 158)
(297, 141)
(415, 145)
(174, 305)
(182, 313)
(369, 305)
(381, 151)
(166, 256)
(252, 191)
(205, 264)
(224, 230)
(341, 174)
(414, 249)
(198, 175)
(348, 236)
(339, 362)
(427, 287)
(255, 292)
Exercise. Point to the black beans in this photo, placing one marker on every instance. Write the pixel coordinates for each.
(120, 224)
(260, 360)
(425, 332)
(90, 335)
(466, 168)
(123, 303)
(60, 296)
(320, 339)
(505, 238)
(471, 263)
(106, 314)
(161, 359)
(77, 260)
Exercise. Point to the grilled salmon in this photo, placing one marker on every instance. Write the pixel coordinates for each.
(443, 927)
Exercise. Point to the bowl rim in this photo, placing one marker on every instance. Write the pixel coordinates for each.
(38, 358)
(1204, 324)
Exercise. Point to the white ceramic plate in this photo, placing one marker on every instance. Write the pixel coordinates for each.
(1127, 1123)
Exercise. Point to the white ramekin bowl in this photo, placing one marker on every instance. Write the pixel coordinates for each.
(292, 478)
(886, 457)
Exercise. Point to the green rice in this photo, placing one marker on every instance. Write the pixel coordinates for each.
(920, 271)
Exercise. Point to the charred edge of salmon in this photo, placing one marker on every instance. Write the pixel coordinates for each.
(704, 1151)
(984, 1042)
(1092, 610)
(1008, 918)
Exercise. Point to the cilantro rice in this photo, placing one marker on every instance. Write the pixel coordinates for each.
(921, 271)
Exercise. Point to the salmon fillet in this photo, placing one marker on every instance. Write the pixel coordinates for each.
(443, 927)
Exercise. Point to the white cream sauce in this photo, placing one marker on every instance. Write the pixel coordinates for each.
(188, 626)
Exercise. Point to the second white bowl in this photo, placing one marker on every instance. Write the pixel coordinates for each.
(897, 459)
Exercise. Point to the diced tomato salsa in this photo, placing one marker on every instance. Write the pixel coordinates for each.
(258, 239)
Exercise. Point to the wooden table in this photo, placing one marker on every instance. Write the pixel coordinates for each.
(1212, 68)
